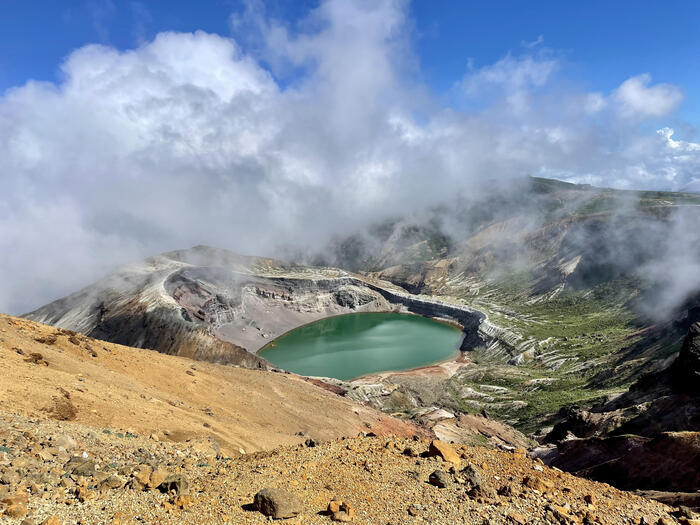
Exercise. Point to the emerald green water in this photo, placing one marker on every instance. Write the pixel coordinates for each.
(349, 346)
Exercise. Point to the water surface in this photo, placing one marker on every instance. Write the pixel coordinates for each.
(349, 346)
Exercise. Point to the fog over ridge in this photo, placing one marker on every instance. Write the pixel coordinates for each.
(289, 137)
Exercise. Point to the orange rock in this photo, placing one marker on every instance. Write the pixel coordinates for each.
(444, 450)
(52, 520)
(539, 484)
(341, 511)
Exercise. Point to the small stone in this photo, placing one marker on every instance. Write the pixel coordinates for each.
(341, 516)
(506, 491)
(65, 441)
(80, 466)
(112, 482)
(143, 475)
(17, 510)
(471, 477)
(174, 484)
(341, 511)
(84, 494)
(52, 520)
(539, 484)
(15, 499)
(277, 503)
(157, 477)
(518, 518)
(10, 478)
(439, 478)
(182, 502)
(66, 482)
(415, 510)
(444, 450)
(561, 513)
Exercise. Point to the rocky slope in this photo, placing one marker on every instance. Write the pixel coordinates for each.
(648, 438)
(57, 473)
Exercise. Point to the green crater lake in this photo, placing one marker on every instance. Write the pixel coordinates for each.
(349, 346)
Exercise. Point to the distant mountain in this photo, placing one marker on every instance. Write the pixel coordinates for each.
(568, 295)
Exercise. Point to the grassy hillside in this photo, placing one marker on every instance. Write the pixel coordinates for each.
(565, 269)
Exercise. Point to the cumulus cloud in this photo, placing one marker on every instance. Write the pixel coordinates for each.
(638, 99)
(284, 136)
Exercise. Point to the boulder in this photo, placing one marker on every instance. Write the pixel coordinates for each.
(277, 503)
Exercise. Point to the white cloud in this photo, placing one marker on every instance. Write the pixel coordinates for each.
(638, 99)
(511, 73)
(189, 139)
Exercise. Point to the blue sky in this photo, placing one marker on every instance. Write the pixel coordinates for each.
(601, 42)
